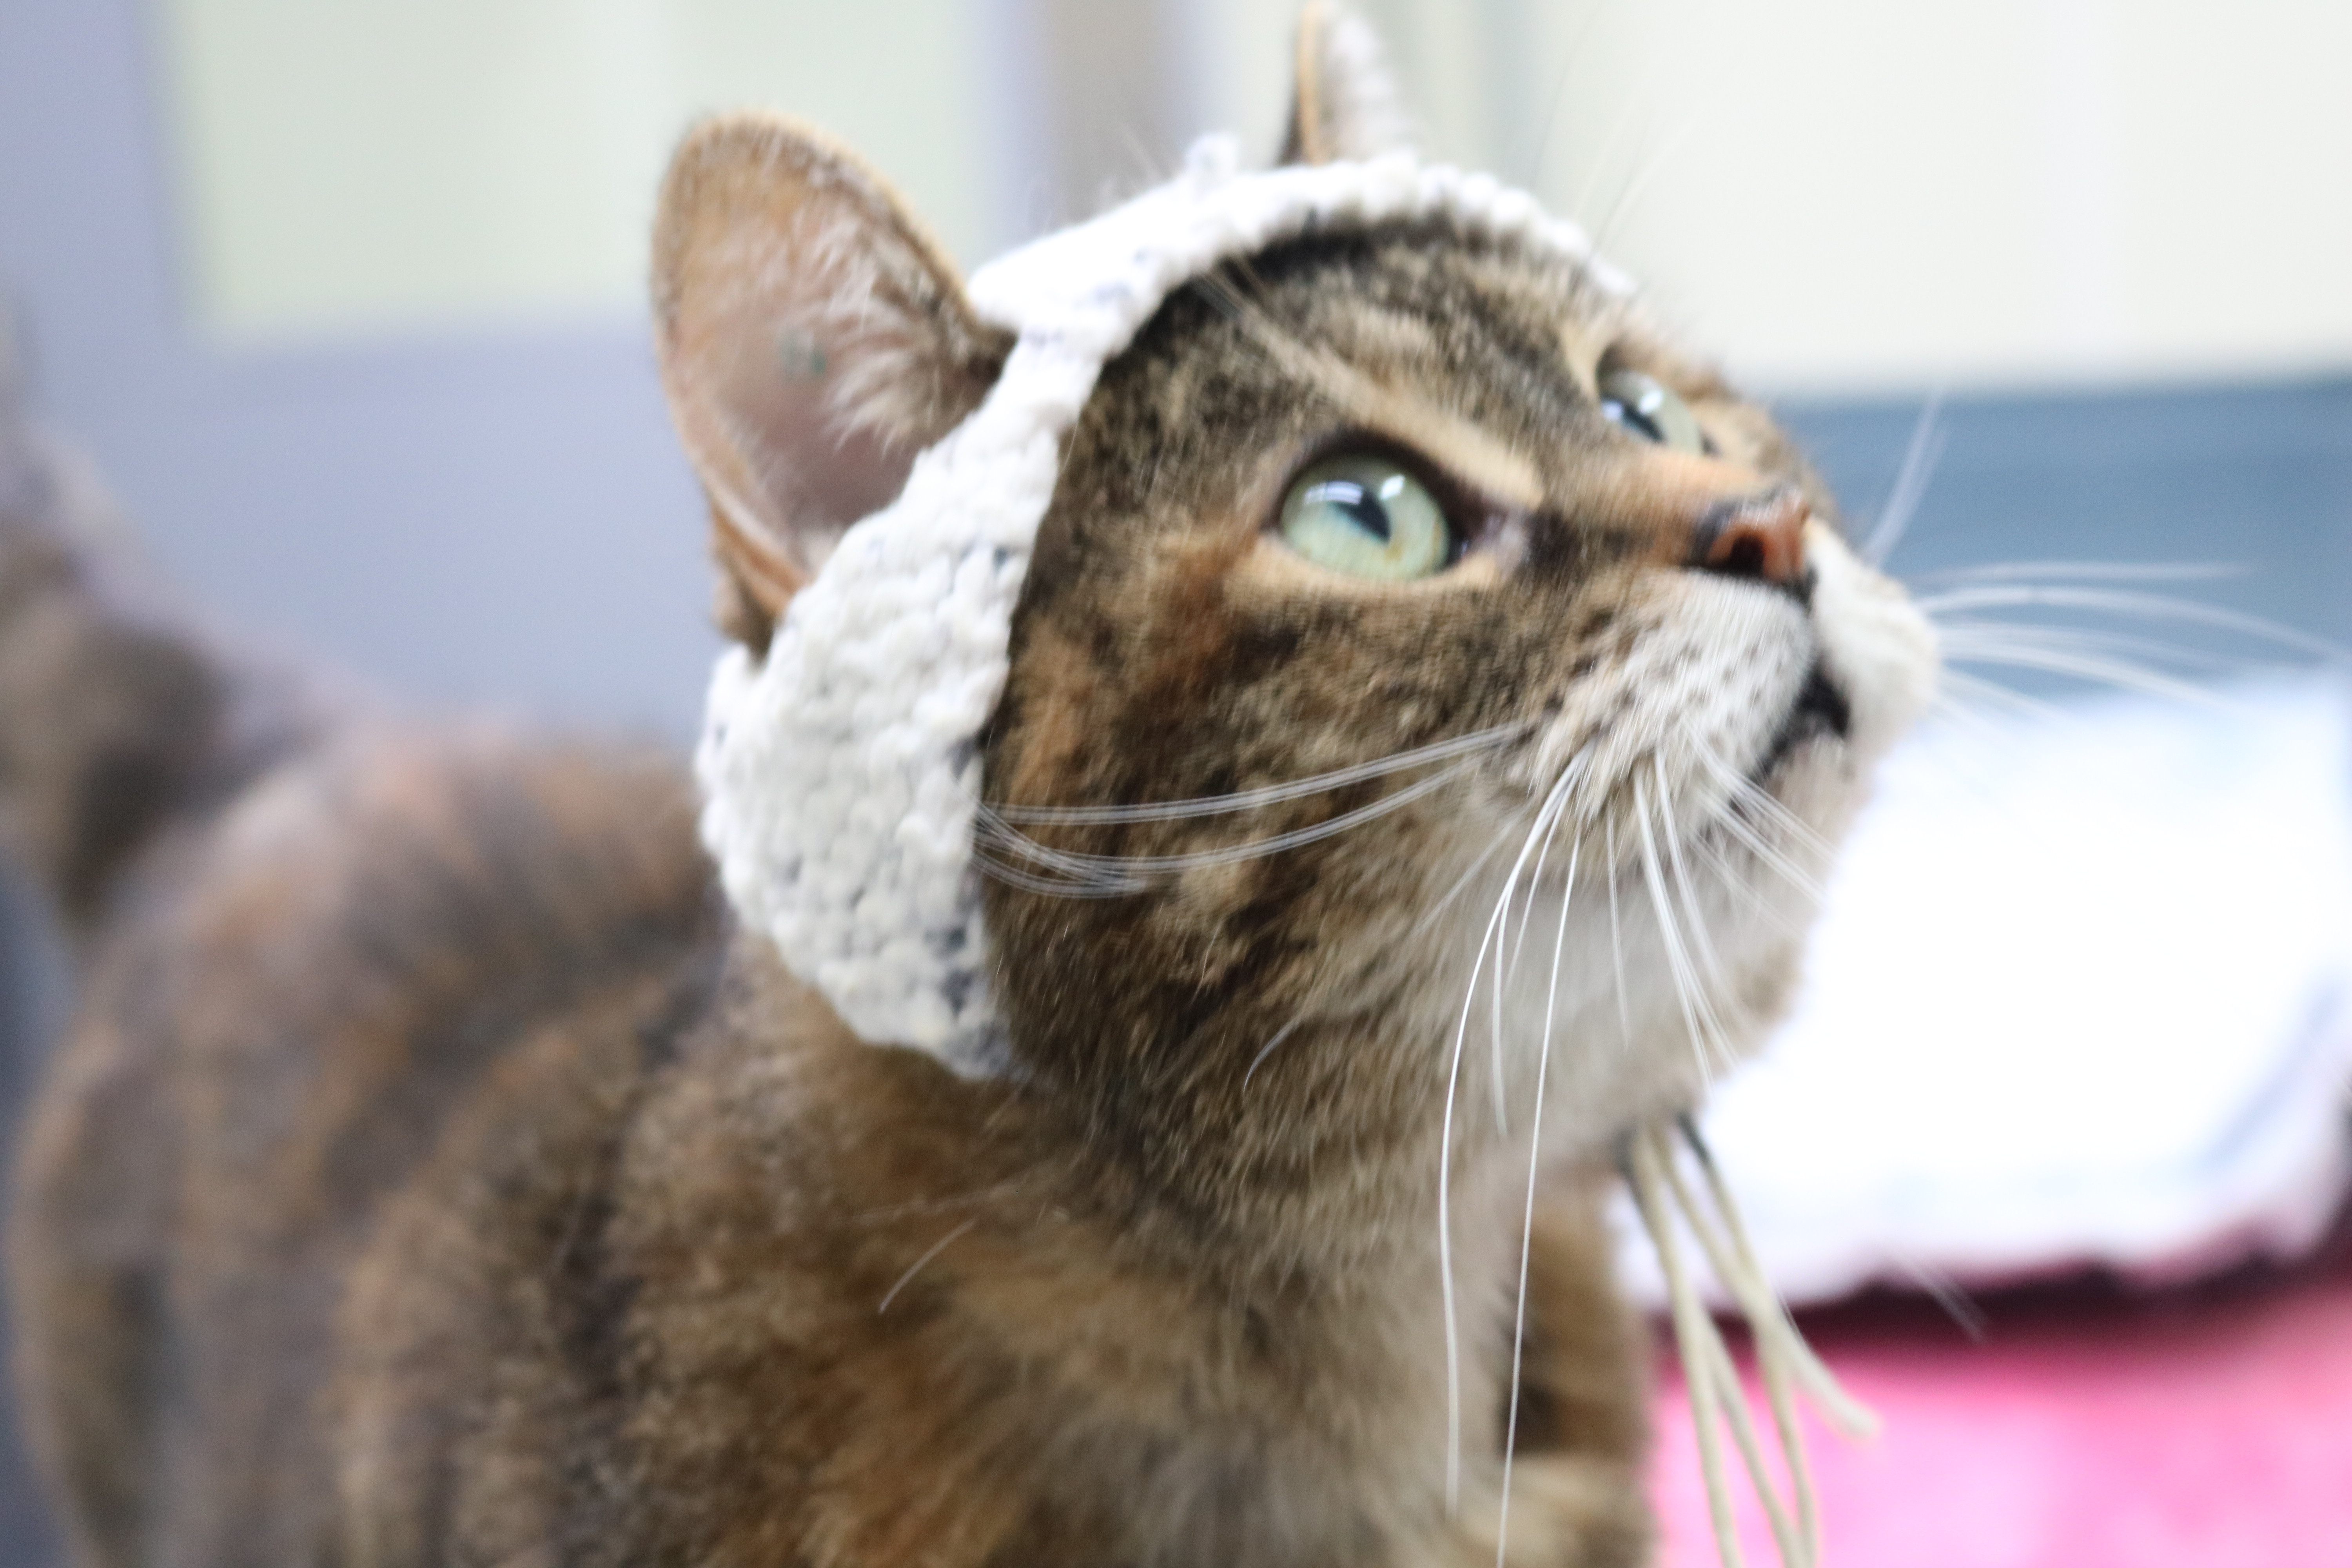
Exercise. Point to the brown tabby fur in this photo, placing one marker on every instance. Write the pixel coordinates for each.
(432, 1175)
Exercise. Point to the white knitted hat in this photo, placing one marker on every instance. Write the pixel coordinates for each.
(841, 771)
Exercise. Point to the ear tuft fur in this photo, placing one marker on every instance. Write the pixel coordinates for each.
(813, 338)
(1344, 104)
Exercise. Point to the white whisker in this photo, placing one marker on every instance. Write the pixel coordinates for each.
(1957, 638)
(1948, 1294)
(2118, 673)
(1250, 799)
(1762, 802)
(1920, 456)
(1702, 939)
(2122, 601)
(1477, 863)
(1617, 941)
(1744, 792)
(1534, 877)
(1487, 941)
(1548, 819)
(2082, 572)
(1527, 1216)
(1765, 1312)
(1796, 1542)
(1693, 1327)
(1714, 857)
(1446, 1207)
(916, 1267)
(1954, 684)
(1697, 1016)
(1116, 875)
(1267, 1049)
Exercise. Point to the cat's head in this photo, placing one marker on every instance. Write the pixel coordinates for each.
(1421, 670)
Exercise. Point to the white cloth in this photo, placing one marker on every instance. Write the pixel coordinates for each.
(841, 773)
(2081, 994)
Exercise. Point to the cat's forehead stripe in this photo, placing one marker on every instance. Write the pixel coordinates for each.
(1477, 457)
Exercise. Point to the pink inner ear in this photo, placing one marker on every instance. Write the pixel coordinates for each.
(816, 471)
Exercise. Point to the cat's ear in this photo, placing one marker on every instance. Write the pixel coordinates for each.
(813, 338)
(1344, 104)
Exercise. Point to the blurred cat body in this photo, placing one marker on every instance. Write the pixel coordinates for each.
(435, 1173)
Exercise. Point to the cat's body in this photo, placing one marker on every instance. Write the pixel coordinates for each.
(436, 1173)
(539, 1222)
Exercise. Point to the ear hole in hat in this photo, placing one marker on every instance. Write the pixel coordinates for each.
(813, 338)
(1344, 101)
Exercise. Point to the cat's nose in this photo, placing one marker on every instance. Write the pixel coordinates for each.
(1758, 538)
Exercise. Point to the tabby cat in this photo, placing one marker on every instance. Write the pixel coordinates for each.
(1427, 701)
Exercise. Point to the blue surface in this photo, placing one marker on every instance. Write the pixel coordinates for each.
(2256, 478)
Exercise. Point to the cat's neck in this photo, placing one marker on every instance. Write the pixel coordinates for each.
(1285, 1199)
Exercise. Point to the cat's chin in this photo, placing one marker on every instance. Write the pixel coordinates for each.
(1820, 713)
(1677, 974)
(1639, 1014)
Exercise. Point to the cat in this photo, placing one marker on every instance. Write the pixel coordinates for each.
(1428, 699)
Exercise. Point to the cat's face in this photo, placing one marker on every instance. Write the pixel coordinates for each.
(1683, 671)
(1435, 513)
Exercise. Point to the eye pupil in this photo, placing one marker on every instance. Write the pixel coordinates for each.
(1642, 405)
(1365, 512)
(1633, 416)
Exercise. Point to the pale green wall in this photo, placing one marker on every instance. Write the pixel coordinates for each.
(1831, 194)
(1845, 191)
(1846, 194)
(356, 164)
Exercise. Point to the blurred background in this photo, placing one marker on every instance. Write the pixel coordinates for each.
(345, 298)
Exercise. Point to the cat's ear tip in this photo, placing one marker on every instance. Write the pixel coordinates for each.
(1344, 101)
(730, 163)
(764, 140)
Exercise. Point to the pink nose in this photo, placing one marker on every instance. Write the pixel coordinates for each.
(1761, 539)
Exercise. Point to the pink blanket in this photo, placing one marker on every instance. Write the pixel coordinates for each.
(2087, 1429)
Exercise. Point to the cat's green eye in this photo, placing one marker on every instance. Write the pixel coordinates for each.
(1367, 517)
(1643, 406)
